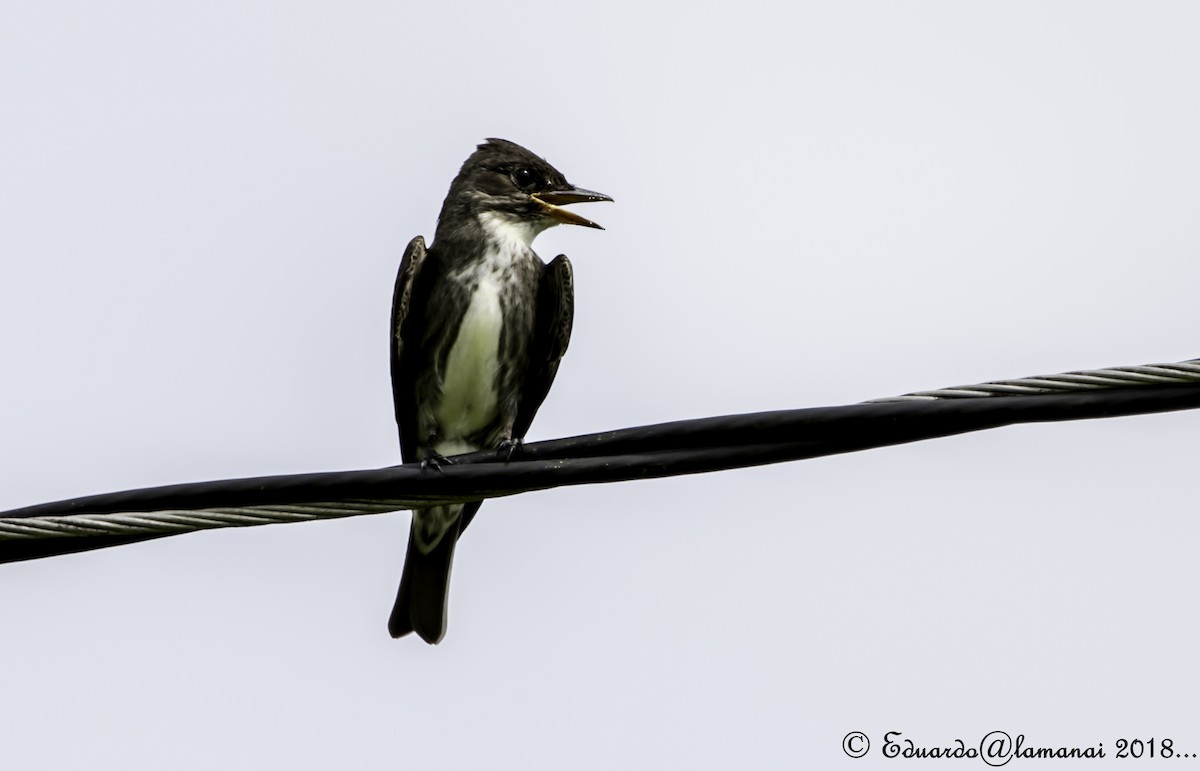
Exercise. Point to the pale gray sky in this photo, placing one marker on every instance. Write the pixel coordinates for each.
(202, 207)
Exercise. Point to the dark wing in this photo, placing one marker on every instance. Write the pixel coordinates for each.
(552, 333)
(405, 323)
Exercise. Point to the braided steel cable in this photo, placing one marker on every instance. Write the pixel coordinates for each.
(168, 521)
(1112, 377)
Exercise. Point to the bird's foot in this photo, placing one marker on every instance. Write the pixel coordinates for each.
(509, 447)
(434, 460)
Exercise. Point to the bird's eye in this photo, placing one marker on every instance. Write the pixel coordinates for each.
(525, 178)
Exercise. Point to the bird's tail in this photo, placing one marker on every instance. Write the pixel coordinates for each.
(424, 585)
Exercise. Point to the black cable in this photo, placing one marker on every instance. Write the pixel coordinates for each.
(646, 452)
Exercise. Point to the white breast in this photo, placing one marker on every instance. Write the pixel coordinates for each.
(469, 393)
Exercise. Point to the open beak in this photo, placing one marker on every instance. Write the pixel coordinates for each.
(552, 201)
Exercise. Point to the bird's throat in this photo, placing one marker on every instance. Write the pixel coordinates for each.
(509, 234)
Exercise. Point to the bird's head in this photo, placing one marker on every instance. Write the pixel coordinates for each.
(511, 193)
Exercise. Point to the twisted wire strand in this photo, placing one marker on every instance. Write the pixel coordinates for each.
(1066, 382)
(646, 452)
(168, 521)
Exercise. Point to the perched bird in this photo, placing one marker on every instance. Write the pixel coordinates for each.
(479, 325)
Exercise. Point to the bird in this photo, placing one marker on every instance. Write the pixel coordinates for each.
(479, 326)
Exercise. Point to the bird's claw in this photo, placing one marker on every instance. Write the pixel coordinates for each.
(508, 448)
(434, 460)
